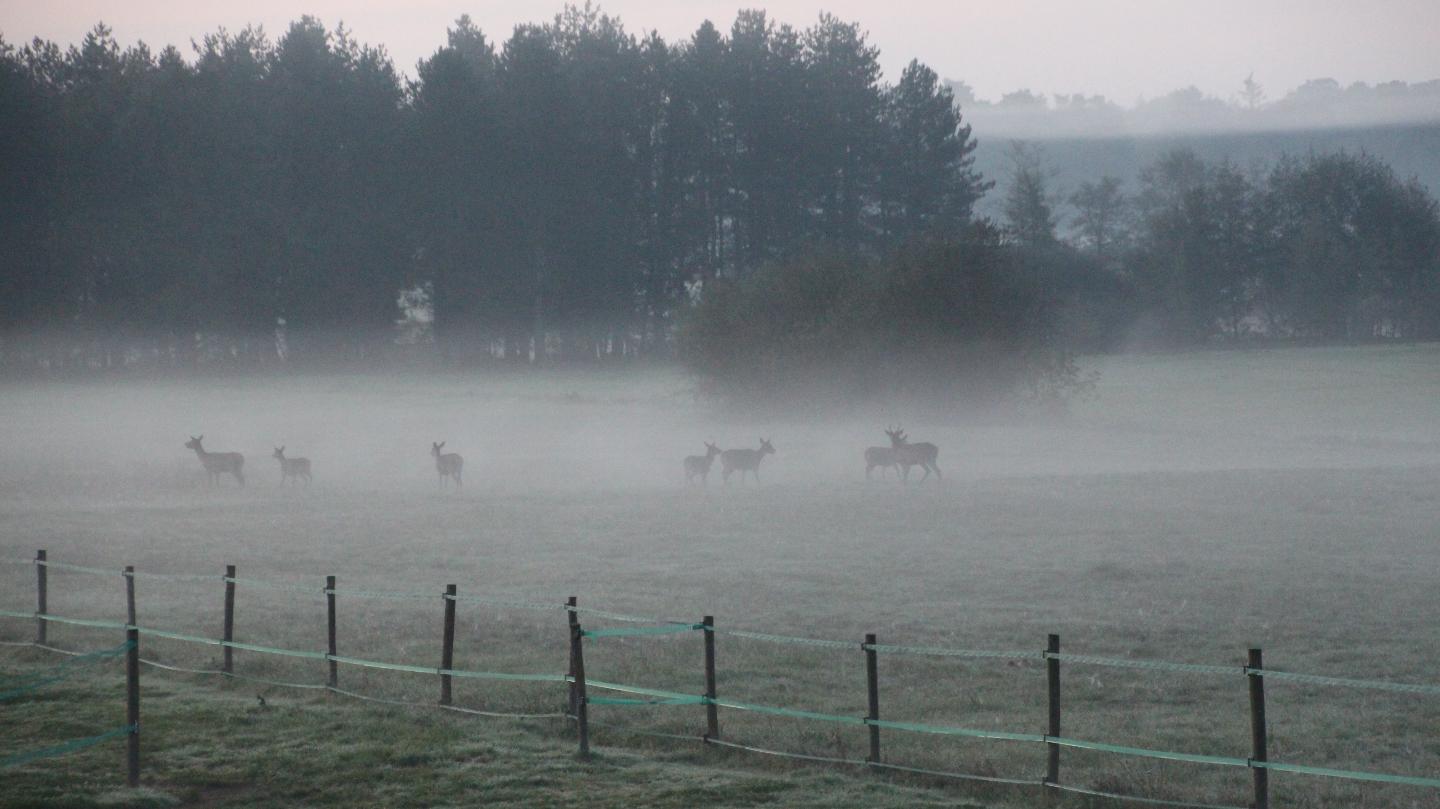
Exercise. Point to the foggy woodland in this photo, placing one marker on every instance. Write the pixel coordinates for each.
(580, 193)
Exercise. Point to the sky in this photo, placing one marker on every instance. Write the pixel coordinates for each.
(1122, 49)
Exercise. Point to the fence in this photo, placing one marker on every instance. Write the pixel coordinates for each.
(23, 685)
(579, 684)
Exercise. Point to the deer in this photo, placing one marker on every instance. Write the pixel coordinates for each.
(745, 460)
(883, 457)
(698, 466)
(217, 463)
(907, 455)
(448, 464)
(292, 468)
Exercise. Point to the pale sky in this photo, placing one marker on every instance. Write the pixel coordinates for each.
(1122, 49)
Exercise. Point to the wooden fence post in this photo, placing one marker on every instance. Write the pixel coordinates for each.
(712, 711)
(132, 706)
(582, 717)
(130, 595)
(574, 621)
(228, 666)
(41, 590)
(872, 687)
(1052, 674)
(447, 652)
(1258, 743)
(330, 602)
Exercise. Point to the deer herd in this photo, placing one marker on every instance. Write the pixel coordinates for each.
(900, 456)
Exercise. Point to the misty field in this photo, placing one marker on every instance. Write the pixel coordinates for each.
(1196, 505)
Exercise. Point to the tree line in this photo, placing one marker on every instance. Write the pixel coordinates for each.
(555, 195)
(1321, 247)
(578, 191)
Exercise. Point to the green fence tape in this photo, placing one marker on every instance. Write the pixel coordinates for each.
(161, 633)
(145, 574)
(391, 595)
(100, 571)
(1410, 780)
(476, 675)
(954, 731)
(640, 630)
(65, 747)
(375, 664)
(791, 712)
(1192, 758)
(90, 622)
(826, 644)
(1152, 665)
(500, 675)
(634, 689)
(1377, 685)
(16, 614)
(270, 585)
(505, 603)
(667, 701)
(941, 651)
(252, 647)
(614, 616)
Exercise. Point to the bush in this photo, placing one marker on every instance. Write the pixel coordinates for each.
(944, 322)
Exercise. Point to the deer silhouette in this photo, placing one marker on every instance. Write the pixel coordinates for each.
(744, 460)
(292, 468)
(698, 466)
(217, 463)
(448, 465)
(907, 455)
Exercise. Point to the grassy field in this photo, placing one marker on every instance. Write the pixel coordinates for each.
(1197, 505)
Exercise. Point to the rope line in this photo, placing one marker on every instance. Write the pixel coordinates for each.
(99, 571)
(1137, 798)
(1142, 752)
(768, 752)
(391, 595)
(500, 602)
(63, 671)
(825, 644)
(1152, 665)
(624, 632)
(627, 701)
(993, 779)
(618, 616)
(954, 731)
(1378, 685)
(65, 747)
(1410, 780)
(940, 651)
(634, 689)
(270, 585)
(791, 712)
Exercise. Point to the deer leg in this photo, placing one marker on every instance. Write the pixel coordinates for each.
(936, 467)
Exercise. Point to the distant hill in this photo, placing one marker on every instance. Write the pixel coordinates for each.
(1413, 150)
(1087, 137)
